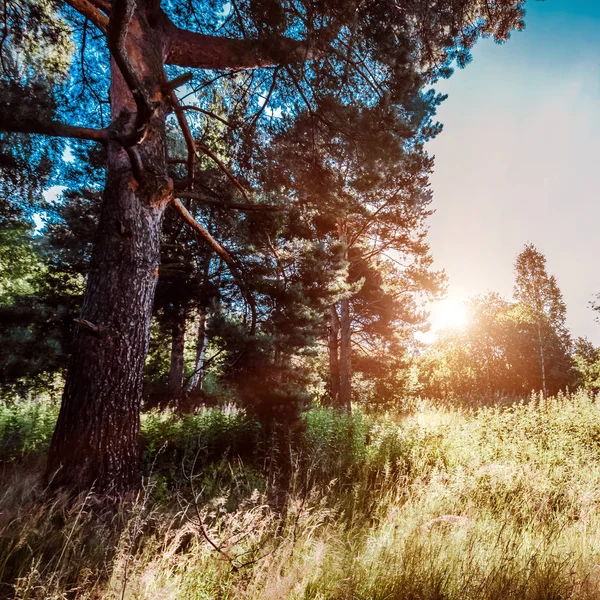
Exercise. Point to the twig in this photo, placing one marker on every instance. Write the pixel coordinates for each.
(208, 113)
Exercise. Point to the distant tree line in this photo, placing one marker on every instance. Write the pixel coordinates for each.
(512, 347)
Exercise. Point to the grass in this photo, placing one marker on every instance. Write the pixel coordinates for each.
(497, 503)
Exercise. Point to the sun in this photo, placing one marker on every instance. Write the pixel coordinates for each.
(450, 313)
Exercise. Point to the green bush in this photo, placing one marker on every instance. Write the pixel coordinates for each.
(26, 428)
(177, 446)
(333, 444)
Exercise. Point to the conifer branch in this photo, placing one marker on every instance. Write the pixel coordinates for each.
(222, 252)
(212, 201)
(90, 11)
(27, 124)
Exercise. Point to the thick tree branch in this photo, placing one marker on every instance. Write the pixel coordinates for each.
(49, 127)
(103, 5)
(120, 18)
(222, 252)
(91, 12)
(190, 49)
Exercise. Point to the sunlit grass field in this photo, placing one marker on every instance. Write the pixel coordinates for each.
(433, 503)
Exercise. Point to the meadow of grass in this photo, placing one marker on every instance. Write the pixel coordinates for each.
(437, 503)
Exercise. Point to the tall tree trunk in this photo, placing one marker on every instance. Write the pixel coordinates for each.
(197, 379)
(334, 361)
(345, 364)
(176, 372)
(345, 400)
(542, 359)
(95, 443)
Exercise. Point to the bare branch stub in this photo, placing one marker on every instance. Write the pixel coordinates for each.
(177, 82)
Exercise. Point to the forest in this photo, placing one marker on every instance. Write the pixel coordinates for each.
(219, 376)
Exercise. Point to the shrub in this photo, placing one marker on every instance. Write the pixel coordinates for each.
(26, 428)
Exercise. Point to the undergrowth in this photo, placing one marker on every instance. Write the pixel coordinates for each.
(495, 503)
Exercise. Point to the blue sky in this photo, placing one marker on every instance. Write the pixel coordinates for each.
(519, 160)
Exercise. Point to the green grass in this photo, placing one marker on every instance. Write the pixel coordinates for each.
(440, 504)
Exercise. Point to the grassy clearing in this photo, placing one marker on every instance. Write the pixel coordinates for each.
(488, 504)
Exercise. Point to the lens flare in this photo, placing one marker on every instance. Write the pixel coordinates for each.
(449, 314)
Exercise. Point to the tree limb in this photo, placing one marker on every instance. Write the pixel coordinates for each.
(190, 49)
(177, 82)
(103, 5)
(222, 252)
(26, 124)
(208, 113)
(204, 233)
(91, 12)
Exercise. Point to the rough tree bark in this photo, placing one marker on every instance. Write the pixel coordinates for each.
(345, 397)
(95, 443)
(176, 372)
(334, 364)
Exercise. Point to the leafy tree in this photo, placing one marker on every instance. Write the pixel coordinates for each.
(541, 297)
(39, 320)
(586, 357)
(497, 353)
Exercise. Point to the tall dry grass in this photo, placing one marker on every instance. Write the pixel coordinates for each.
(440, 504)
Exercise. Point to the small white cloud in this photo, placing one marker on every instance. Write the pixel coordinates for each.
(40, 223)
(53, 193)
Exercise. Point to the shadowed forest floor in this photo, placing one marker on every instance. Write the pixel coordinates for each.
(437, 503)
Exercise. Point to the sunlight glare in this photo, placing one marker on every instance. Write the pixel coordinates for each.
(450, 313)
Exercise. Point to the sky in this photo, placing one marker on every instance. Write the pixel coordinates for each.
(519, 161)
